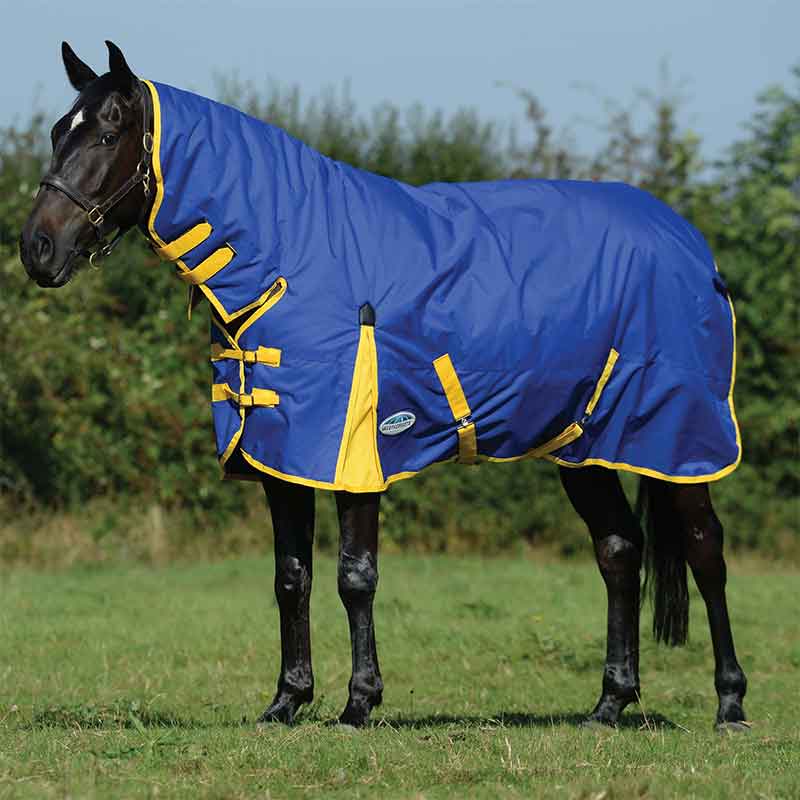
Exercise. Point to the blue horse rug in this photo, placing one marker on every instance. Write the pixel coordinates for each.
(363, 329)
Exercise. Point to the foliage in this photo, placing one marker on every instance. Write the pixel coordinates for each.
(104, 384)
(488, 665)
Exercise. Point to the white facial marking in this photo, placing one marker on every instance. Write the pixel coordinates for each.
(77, 119)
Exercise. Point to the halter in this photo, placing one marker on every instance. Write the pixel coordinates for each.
(96, 212)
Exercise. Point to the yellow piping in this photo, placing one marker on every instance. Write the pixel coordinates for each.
(333, 486)
(224, 315)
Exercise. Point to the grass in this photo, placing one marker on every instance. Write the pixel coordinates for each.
(137, 682)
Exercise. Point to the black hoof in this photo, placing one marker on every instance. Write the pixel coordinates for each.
(282, 709)
(356, 714)
(732, 728)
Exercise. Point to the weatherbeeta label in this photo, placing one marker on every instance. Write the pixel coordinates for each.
(397, 423)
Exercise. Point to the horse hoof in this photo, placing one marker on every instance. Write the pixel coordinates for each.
(593, 724)
(355, 716)
(732, 728)
(282, 714)
(344, 727)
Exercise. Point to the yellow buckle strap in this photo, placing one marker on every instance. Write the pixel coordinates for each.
(209, 267)
(258, 397)
(271, 356)
(467, 437)
(179, 247)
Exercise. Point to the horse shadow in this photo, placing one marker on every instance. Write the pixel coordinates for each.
(513, 719)
(131, 715)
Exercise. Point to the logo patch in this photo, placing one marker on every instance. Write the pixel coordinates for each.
(397, 423)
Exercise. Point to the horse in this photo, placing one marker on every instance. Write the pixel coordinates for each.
(110, 172)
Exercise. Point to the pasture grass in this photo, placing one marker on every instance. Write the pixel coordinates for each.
(133, 681)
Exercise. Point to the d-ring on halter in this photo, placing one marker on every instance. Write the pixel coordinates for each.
(96, 212)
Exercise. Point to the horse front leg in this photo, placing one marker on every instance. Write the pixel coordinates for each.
(703, 538)
(292, 509)
(358, 581)
(597, 496)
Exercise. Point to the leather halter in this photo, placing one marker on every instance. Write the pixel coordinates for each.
(96, 212)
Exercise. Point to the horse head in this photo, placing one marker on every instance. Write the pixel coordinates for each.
(99, 175)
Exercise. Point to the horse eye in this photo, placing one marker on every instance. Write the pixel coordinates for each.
(108, 139)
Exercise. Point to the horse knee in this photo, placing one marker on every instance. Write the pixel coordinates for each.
(618, 557)
(292, 580)
(357, 578)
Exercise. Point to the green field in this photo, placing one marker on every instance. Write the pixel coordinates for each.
(133, 681)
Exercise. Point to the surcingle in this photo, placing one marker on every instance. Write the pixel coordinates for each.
(363, 329)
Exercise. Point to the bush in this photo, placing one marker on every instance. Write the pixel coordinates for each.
(104, 385)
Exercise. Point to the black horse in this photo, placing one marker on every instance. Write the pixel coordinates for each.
(99, 183)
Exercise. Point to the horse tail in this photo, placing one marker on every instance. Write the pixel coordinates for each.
(664, 562)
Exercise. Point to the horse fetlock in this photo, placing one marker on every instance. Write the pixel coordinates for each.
(298, 684)
(621, 682)
(367, 686)
(731, 682)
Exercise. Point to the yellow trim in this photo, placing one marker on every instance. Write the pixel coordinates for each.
(329, 485)
(452, 387)
(652, 473)
(270, 301)
(224, 315)
(601, 383)
(359, 463)
(185, 242)
(270, 356)
(257, 397)
(208, 267)
(238, 435)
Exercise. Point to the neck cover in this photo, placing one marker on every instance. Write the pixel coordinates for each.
(363, 329)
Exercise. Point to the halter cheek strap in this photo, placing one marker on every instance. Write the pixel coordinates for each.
(96, 212)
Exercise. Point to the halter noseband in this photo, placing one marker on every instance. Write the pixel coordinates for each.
(96, 212)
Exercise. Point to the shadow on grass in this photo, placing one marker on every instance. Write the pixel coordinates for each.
(123, 715)
(521, 720)
(131, 715)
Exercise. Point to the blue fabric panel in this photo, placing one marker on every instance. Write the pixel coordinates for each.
(527, 285)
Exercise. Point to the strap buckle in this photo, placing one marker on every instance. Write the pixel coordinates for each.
(96, 216)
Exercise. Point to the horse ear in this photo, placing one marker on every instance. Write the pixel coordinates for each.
(119, 68)
(80, 75)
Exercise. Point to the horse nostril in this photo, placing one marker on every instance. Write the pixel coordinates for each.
(42, 247)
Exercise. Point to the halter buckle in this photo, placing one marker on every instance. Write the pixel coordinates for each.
(96, 216)
(147, 142)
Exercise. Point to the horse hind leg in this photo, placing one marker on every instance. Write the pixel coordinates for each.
(703, 542)
(597, 496)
